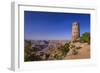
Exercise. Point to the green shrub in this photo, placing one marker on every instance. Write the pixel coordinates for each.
(65, 49)
(30, 53)
(85, 37)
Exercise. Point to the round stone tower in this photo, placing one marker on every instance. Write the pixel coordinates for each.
(75, 31)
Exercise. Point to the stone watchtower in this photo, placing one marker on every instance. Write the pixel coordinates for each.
(75, 31)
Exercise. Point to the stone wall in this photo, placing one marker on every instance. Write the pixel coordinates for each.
(75, 31)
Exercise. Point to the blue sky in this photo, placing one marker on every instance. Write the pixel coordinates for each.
(53, 25)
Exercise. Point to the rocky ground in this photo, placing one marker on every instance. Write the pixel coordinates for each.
(56, 50)
(82, 53)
